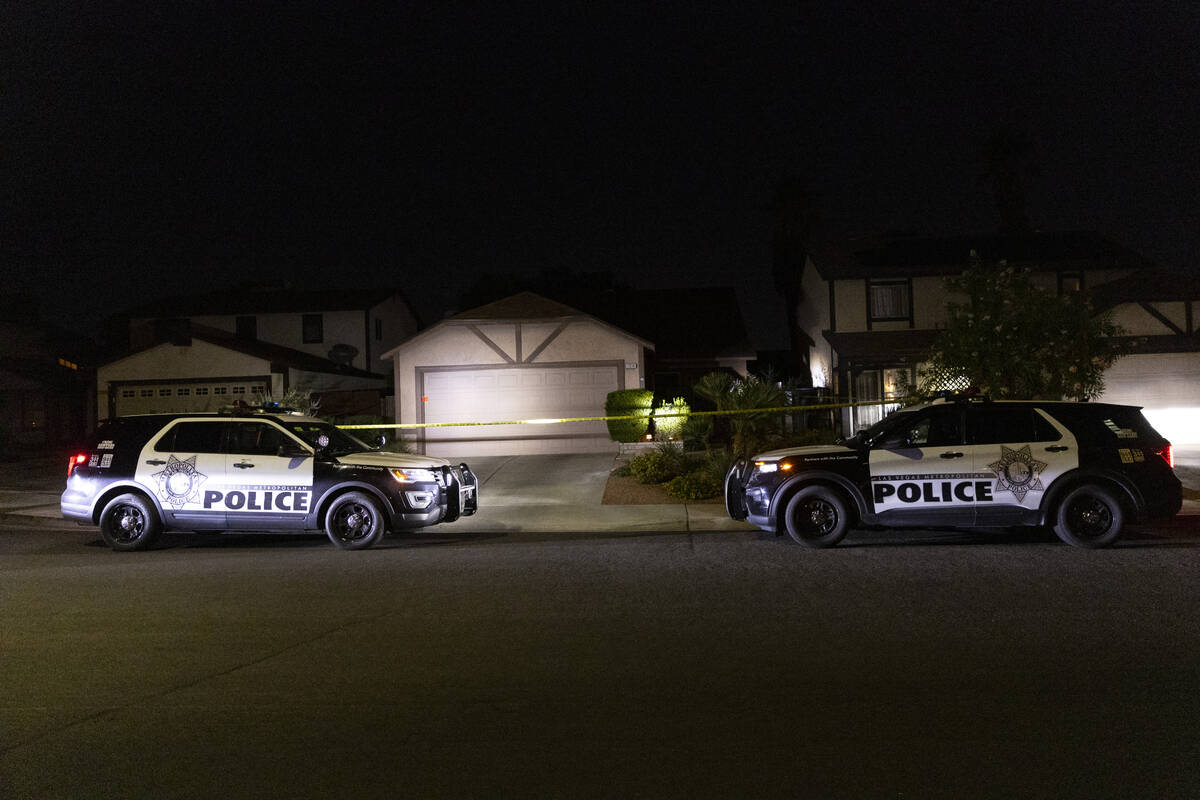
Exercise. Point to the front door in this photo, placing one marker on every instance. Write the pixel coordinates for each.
(922, 473)
(263, 489)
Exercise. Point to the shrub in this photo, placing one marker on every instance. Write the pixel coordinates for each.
(626, 402)
(695, 432)
(622, 471)
(660, 464)
(696, 485)
(670, 427)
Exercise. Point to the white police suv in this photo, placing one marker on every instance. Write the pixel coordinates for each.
(142, 475)
(1084, 468)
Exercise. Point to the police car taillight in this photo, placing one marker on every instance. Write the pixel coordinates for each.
(1166, 454)
(75, 461)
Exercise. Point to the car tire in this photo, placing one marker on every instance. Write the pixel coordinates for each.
(354, 521)
(1089, 516)
(816, 517)
(129, 522)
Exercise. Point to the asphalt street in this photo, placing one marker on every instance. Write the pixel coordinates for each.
(477, 662)
(922, 664)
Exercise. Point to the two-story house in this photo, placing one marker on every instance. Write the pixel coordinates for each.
(873, 308)
(207, 351)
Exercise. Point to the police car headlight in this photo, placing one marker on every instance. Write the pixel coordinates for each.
(765, 466)
(414, 475)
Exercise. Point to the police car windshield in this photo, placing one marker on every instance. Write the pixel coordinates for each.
(326, 437)
(870, 434)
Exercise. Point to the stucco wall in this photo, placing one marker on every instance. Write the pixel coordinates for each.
(453, 344)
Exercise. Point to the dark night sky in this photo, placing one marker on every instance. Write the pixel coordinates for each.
(156, 148)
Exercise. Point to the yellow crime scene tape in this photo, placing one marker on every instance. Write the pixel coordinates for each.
(559, 420)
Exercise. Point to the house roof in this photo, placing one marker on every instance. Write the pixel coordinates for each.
(520, 307)
(263, 300)
(881, 348)
(904, 256)
(688, 322)
(1145, 286)
(278, 355)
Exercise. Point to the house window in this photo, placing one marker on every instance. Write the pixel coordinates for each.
(378, 330)
(147, 393)
(313, 328)
(164, 392)
(183, 392)
(201, 391)
(1070, 281)
(247, 327)
(239, 390)
(889, 300)
(220, 390)
(128, 393)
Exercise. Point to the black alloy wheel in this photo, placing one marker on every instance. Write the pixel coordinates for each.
(817, 517)
(1090, 517)
(129, 523)
(354, 522)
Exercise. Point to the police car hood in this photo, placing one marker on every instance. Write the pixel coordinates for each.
(805, 452)
(379, 459)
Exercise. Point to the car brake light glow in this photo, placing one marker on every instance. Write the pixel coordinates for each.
(75, 461)
(1166, 454)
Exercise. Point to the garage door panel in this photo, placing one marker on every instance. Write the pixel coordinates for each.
(500, 395)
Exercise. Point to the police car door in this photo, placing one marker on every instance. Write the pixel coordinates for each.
(922, 471)
(182, 465)
(1021, 450)
(269, 477)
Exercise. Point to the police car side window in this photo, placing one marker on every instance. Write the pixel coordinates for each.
(938, 428)
(191, 437)
(1010, 424)
(257, 439)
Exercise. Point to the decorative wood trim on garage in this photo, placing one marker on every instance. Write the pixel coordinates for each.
(497, 348)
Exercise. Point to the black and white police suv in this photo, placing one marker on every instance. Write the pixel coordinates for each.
(255, 472)
(1084, 468)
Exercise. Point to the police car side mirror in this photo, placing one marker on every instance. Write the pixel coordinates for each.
(379, 441)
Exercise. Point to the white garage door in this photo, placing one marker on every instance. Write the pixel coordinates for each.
(1166, 385)
(519, 393)
(159, 398)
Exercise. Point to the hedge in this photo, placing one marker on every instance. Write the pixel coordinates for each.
(626, 402)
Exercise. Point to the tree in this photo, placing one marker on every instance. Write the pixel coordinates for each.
(1011, 339)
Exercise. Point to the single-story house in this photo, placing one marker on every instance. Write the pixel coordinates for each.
(204, 369)
(521, 358)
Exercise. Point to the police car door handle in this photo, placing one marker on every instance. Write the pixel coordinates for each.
(155, 462)
(1057, 448)
(952, 455)
(243, 465)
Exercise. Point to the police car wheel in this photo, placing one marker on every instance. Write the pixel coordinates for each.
(1089, 516)
(354, 522)
(129, 522)
(816, 517)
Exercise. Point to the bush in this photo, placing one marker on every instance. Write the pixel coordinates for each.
(696, 485)
(622, 471)
(658, 465)
(670, 427)
(626, 402)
